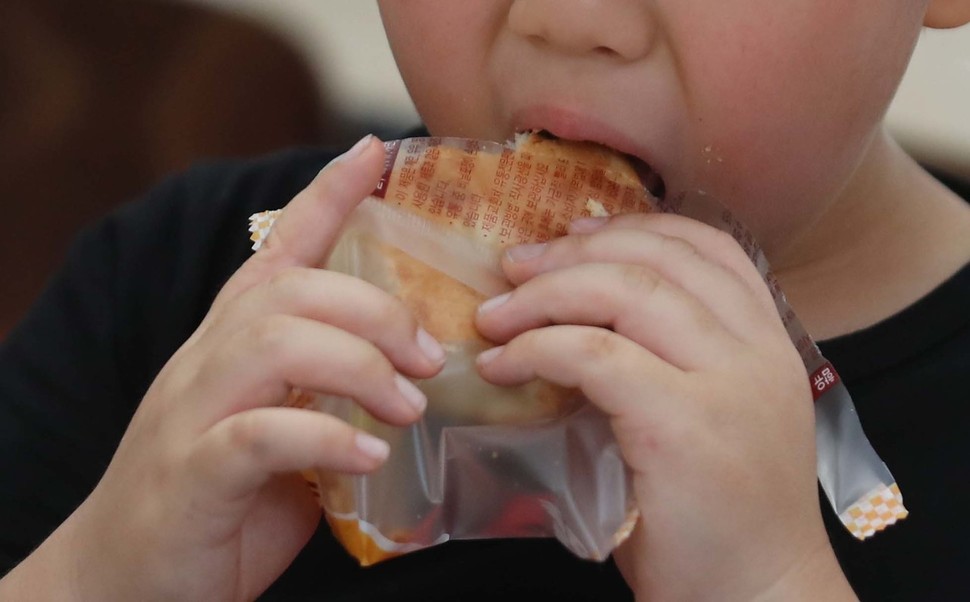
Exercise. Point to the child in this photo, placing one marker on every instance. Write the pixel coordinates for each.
(772, 107)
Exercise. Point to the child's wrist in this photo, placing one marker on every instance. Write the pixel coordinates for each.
(100, 568)
(817, 577)
(70, 565)
(49, 573)
(814, 574)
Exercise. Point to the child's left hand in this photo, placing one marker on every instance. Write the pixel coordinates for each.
(665, 325)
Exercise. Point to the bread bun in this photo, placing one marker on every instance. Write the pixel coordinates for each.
(600, 182)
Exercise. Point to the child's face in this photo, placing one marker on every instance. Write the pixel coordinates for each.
(769, 106)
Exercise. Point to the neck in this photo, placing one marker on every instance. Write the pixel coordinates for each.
(892, 236)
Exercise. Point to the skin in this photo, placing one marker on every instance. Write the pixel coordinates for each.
(202, 500)
(661, 321)
(773, 108)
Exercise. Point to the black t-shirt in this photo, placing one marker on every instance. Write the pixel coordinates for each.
(136, 285)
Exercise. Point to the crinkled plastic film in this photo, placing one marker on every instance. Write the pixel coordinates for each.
(532, 461)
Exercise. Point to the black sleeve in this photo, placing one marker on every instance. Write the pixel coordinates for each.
(133, 288)
(60, 401)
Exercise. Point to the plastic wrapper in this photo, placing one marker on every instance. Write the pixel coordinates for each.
(536, 460)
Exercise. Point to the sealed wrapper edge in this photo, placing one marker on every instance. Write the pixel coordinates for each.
(260, 224)
(874, 512)
(366, 543)
(856, 482)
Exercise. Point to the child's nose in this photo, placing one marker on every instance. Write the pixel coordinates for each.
(624, 28)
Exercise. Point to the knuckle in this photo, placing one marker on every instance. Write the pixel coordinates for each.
(248, 435)
(707, 323)
(724, 241)
(633, 221)
(394, 311)
(291, 278)
(373, 366)
(599, 345)
(728, 247)
(217, 320)
(268, 335)
(678, 247)
(586, 245)
(638, 280)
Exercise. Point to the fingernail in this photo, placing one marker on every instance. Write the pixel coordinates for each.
(356, 149)
(490, 354)
(371, 446)
(584, 225)
(493, 303)
(526, 252)
(431, 348)
(411, 393)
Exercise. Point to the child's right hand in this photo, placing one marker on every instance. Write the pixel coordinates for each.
(201, 500)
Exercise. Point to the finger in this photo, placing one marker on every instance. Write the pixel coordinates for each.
(615, 373)
(307, 228)
(723, 291)
(242, 452)
(634, 301)
(264, 361)
(716, 245)
(345, 302)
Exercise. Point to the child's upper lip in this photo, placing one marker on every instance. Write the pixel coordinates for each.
(572, 124)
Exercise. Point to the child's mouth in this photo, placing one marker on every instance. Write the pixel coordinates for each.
(652, 181)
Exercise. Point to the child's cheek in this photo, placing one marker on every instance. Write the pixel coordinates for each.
(785, 101)
(441, 49)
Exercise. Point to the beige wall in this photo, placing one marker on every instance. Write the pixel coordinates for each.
(931, 113)
(343, 39)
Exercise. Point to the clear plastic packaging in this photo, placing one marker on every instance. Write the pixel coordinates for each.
(537, 460)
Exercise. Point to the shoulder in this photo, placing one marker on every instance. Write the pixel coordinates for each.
(161, 260)
(200, 217)
(214, 192)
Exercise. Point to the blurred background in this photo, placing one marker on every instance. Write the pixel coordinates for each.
(99, 99)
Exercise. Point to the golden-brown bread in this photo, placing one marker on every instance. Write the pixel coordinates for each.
(594, 172)
(446, 307)
(442, 305)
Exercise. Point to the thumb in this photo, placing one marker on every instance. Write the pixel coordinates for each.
(304, 233)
